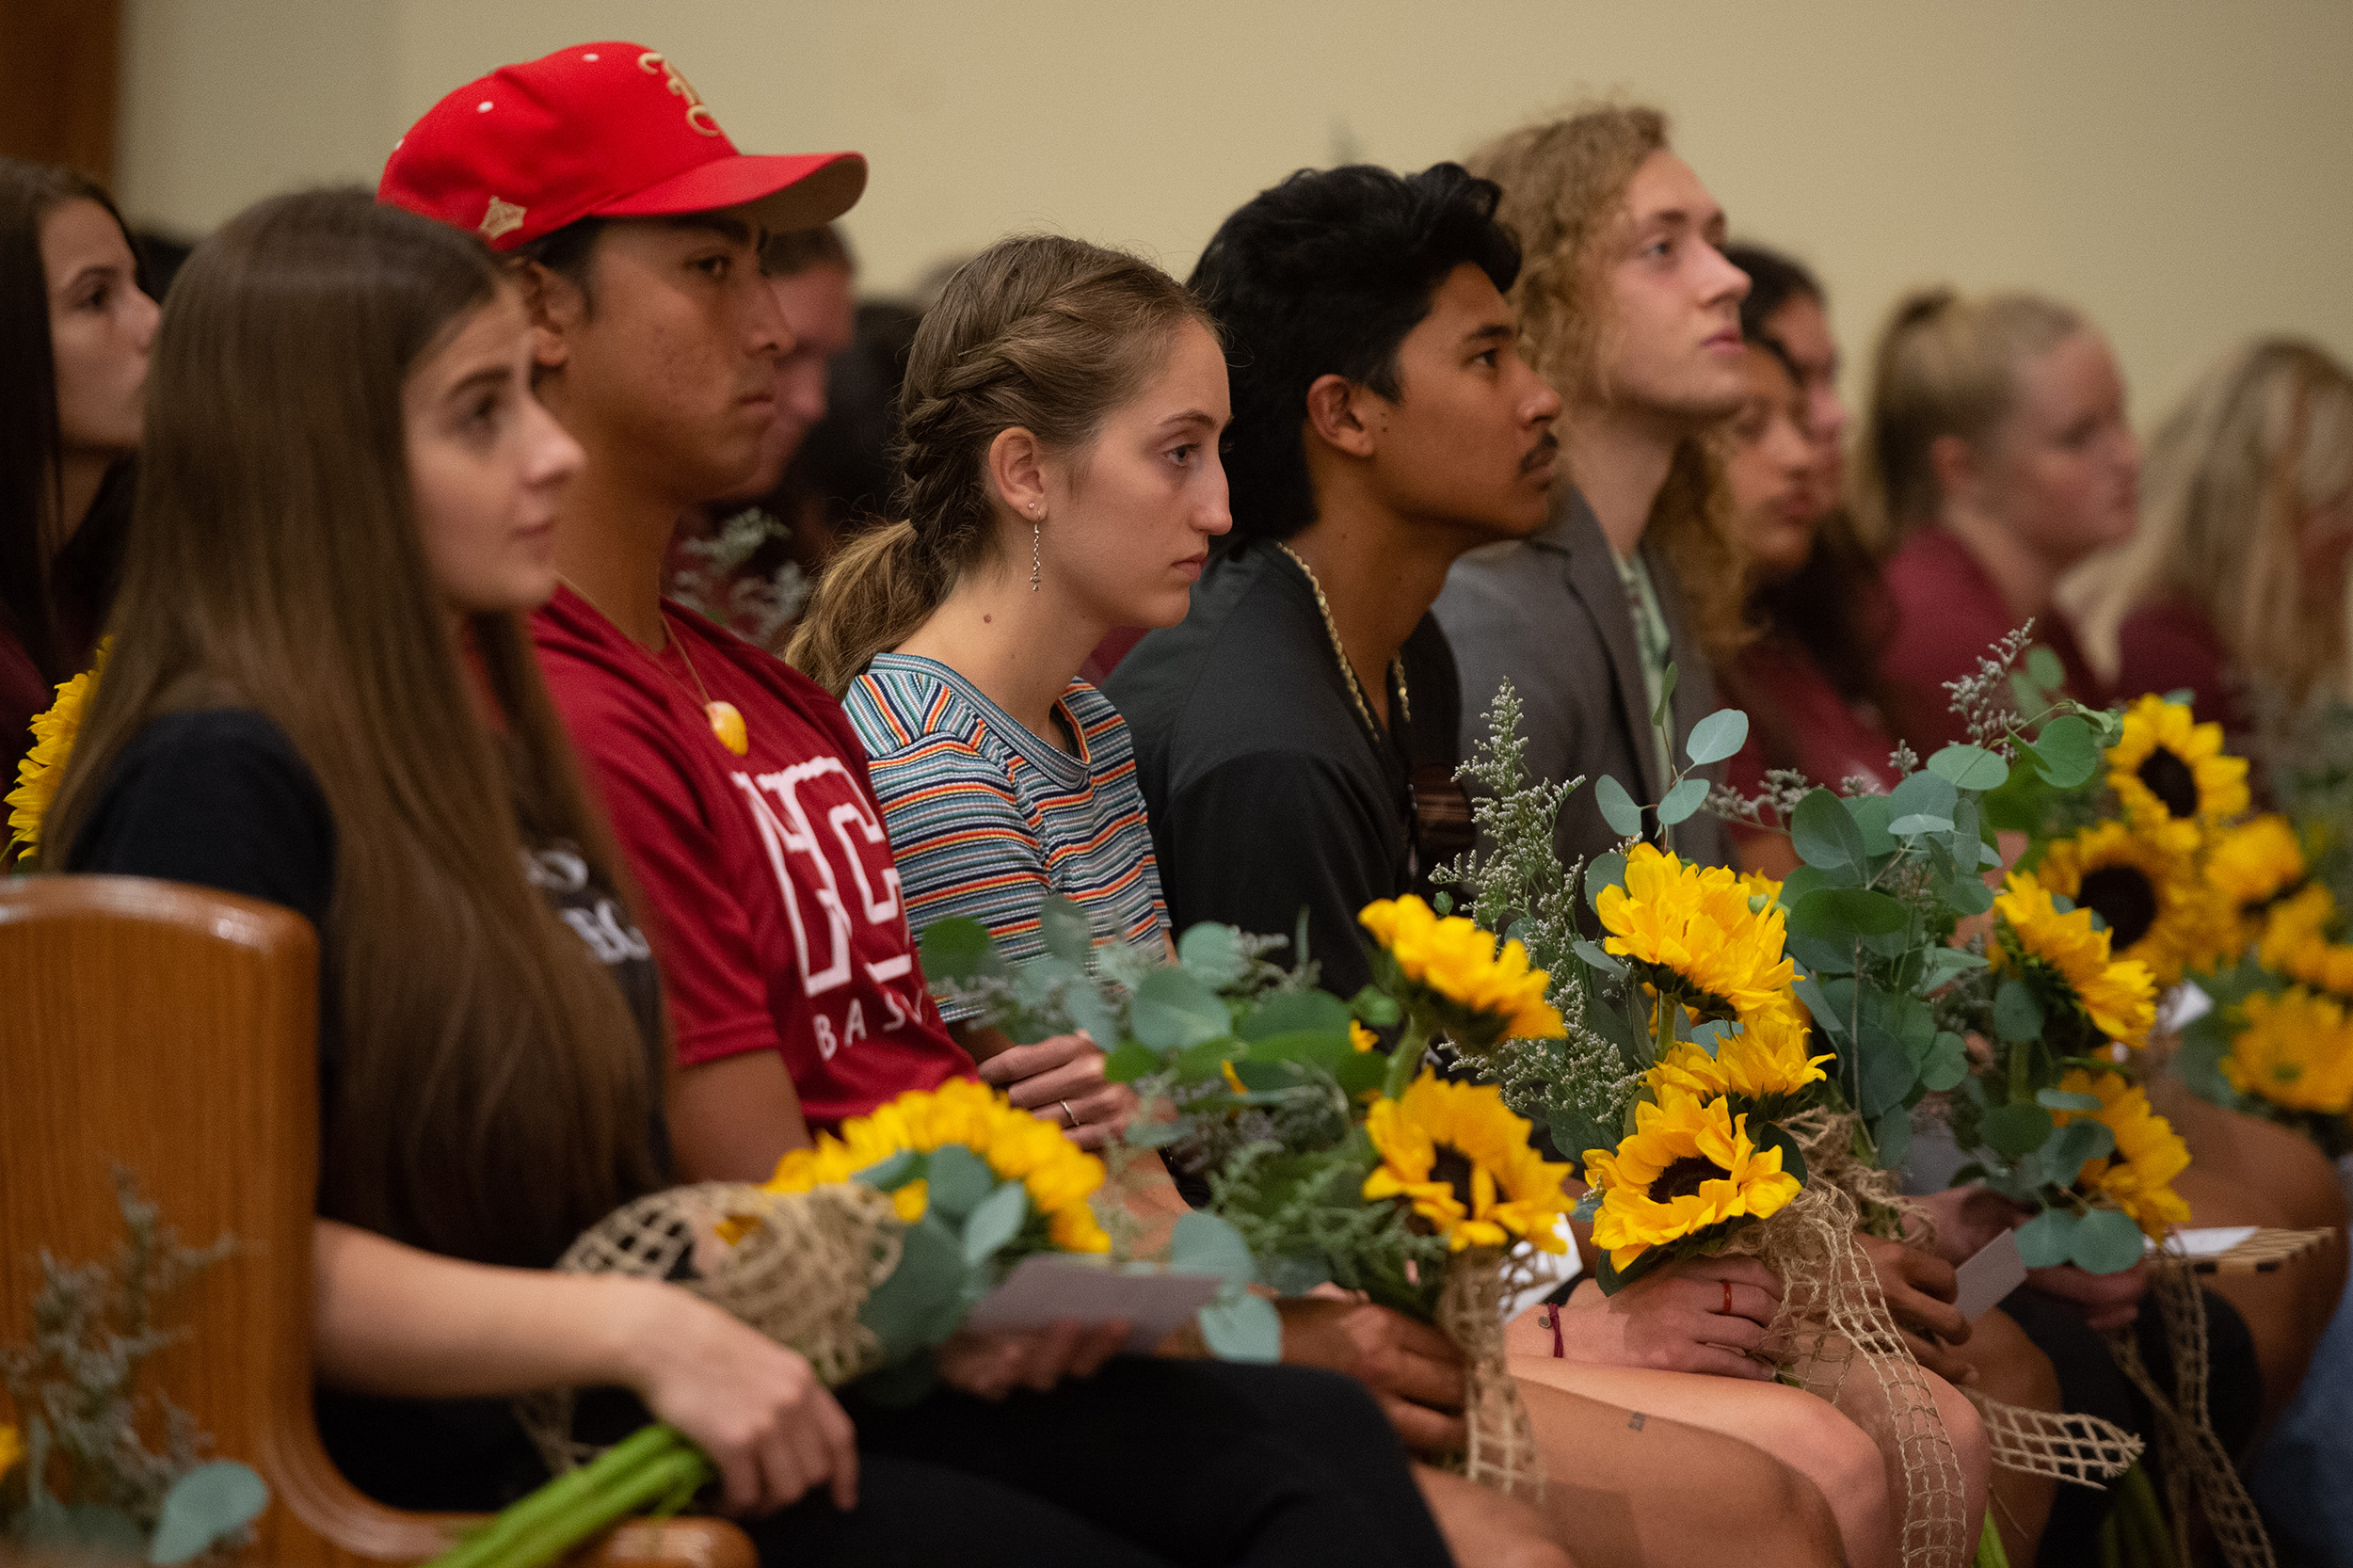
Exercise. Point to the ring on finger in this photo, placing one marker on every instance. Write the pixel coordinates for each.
(1727, 1285)
(1067, 1112)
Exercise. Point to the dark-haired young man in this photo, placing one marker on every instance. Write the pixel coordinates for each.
(1383, 423)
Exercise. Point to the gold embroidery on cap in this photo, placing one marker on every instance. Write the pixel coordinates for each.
(697, 115)
(503, 217)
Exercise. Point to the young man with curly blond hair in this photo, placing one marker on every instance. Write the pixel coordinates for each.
(1631, 312)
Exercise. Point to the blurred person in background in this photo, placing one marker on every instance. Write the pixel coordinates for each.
(1996, 450)
(75, 324)
(1810, 683)
(737, 560)
(2235, 586)
(1995, 457)
(843, 477)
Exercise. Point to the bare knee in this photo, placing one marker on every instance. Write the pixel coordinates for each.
(1804, 1527)
(1842, 1457)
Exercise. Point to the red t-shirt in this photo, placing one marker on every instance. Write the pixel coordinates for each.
(774, 902)
(1948, 614)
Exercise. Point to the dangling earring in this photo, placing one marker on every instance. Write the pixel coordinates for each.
(1033, 551)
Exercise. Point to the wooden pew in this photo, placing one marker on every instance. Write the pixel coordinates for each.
(172, 1031)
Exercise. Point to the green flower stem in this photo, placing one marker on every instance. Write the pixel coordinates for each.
(1989, 1552)
(1405, 1061)
(568, 1496)
(2021, 1072)
(682, 1468)
(2140, 1517)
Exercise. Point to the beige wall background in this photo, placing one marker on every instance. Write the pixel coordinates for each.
(2181, 169)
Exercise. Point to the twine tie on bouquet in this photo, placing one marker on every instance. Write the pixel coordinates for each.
(1502, 1454)
(796, 1266)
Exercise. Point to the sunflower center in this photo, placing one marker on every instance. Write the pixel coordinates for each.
(1454, 1167)
(2169, 779)
(2124, 899)
(1684, 1177)
(1675, 986)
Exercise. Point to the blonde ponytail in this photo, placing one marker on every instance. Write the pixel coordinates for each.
(1945, 365)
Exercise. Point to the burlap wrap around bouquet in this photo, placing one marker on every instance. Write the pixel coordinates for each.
(796, 1266)
(1502, 1454)
(1833, 1321)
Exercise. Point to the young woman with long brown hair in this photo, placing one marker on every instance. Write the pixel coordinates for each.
(75, 322)
(324, 697)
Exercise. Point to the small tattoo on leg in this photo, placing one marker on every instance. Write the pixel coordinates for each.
(1635, 1420)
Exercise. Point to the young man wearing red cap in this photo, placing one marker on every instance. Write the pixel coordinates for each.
(739, 793)
(735, 785)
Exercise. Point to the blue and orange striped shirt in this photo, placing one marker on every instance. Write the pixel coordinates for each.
(986, 819)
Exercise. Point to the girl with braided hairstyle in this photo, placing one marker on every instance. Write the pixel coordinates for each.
(1061, 479)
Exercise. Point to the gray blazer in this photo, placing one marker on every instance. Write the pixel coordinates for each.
(1550, 613)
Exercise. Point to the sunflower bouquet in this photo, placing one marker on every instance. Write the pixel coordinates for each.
(1332, 1161)
(1322, 1159)
(2279, 1041)
(862, 1252)
(977, 1185)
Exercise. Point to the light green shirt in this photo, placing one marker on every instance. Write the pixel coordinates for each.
(1650, 637)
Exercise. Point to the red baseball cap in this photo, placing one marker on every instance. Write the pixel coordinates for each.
(598, 130)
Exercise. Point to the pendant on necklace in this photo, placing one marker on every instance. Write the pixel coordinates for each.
(727, 722)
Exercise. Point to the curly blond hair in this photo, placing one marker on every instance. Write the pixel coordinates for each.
(1565, 192)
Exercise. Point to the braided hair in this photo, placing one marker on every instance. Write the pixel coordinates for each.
(1037, 332)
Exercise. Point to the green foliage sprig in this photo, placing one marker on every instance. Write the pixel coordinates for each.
(76, 1387)
(1260, 1080)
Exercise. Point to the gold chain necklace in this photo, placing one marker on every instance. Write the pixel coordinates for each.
(725, 718)
(1340, 651)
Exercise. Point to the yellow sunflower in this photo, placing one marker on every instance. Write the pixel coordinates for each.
(2295, 1049)
(1362, 1038)
(1017, 1146)
(2172, 773)
(1465, 1164)
(2301, 920)
(44, 767)
(2119, 996)
(2253, 866)
(1765, 1059)
(1688, 1166)
(1459, 963)
(2319, 963)
(2139, 1178)
(2146, 886)
(1698, 936)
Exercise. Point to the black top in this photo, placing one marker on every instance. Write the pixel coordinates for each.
(1268, 795)
(220, 799)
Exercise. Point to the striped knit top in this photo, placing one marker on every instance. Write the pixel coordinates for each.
(986, 819)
